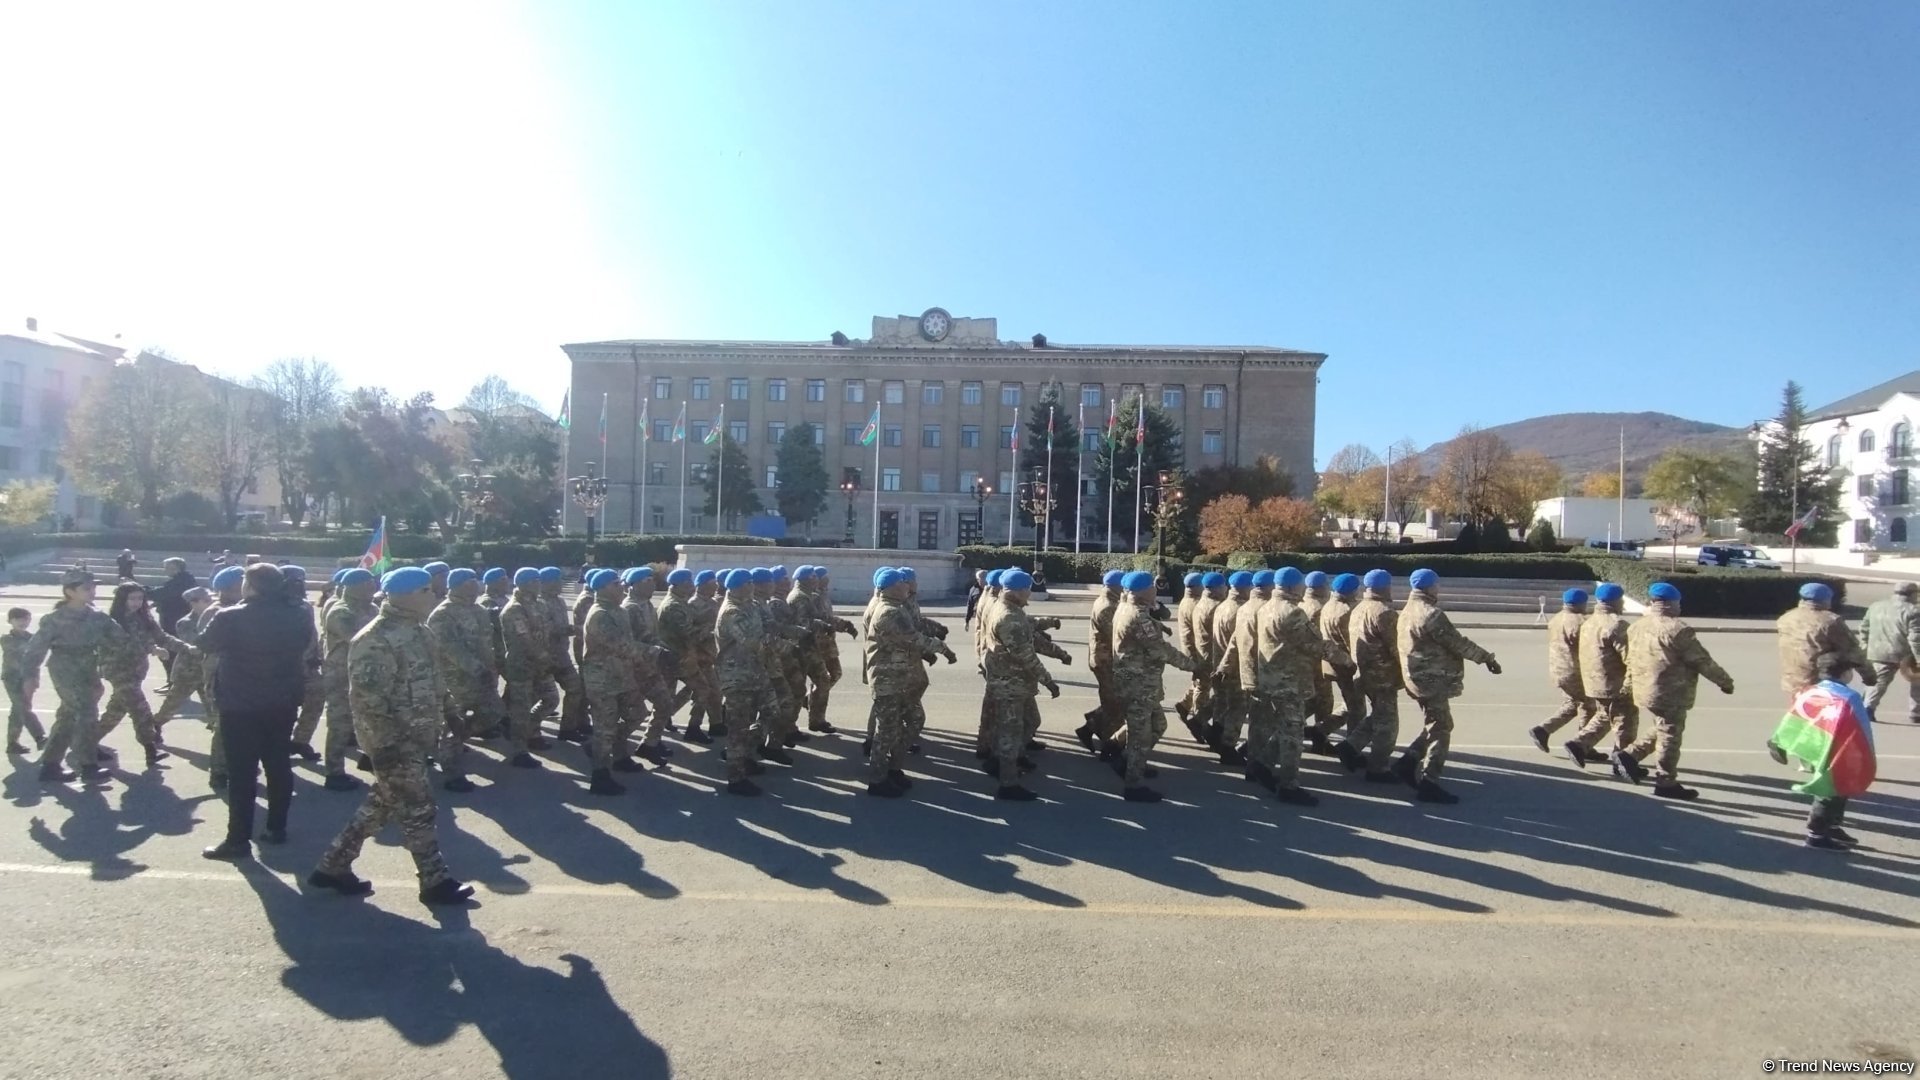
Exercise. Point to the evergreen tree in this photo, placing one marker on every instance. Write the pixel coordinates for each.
(802, 471)
(729, 460)
(1792, 479)
(1160, 453)
(1066, 458)
(1540, 537)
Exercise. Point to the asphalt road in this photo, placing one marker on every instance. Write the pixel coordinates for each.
(1551, 923)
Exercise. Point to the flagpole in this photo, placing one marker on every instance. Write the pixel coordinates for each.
(566, 454)
(879, 436)
(1113, 461)
(1622, 512)
(1013, 478)
(644, 436)
(679, 429)
(720, 483)
(1139, 454)
(1080, 424)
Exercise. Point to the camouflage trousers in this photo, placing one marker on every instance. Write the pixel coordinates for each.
(313, 705)
(562, 689)
(1280, 726)
(517, 704)
(698, 687)
(1008, 736)
(1616, 713)
(656, 696)
(1109, 717)
(1146, 722)
(1885, 676)
(1376, 729)
(20, 715)
(186, 680)
(479, 698)
(780, 713)
(1321, 706)
(1663, 744)
(1199, 697)
(339, 727)
(1231, 703)
(615, 714)
(820, 679)
(217, 757)
(744, 706)
(1429, 748)
(400, 795)
(124, 700)
(1570, 707)
(1346, 689)
(74, 724)
(896, 719)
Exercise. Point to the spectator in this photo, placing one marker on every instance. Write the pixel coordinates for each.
(259, 647)
(974, 592)
(169, 602)
(125, 564)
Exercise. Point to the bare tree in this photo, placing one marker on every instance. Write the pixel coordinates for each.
(304, 393)
(1468, 483)
(136, 436)
(492, 396)
(1341, 490)
(239, 433)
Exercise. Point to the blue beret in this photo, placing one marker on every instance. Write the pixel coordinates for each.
(493, 574)
(780, 573)
(1377, 580)
(437, 568)
(761, 575)
(294, 571)
(632, 575)
(1137, 580)
(228, 577)
(1316, 580)
(1608, 592)
(460, 577)
(549, 573)
(1112, 578)
(1423, 579)
(737, 579)
(337, 574)
(703, 576)
(1289, 577)
(600, 579)
(993, 577)
(1660, 590)
(1015, 580)
(682, 576)
(407, 579)
(1816, 592)
(525, 576)
(1212, 580)
(1345, 583)
(1574, 597)
(886, 578)
(1263, 579)
(1193, 578)
(907, 574)
(1241, 579)
(352, 575)
(805, 573)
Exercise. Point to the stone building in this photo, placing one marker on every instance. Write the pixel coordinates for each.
(1868, 438)
(950, 393)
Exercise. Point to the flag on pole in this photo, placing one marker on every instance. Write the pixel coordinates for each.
(1113, 420)
(603, 418)
(1827, 729)
(713, 434)
(1140, 420)
(872, 430)
(644, 436)
(1049, 425)
(1013, 433)
(375, 558)
(1805, 523)
(680, 424)
(566, 411)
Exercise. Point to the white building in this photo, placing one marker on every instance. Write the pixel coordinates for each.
(42, 376)
(1576, 519)
(1869, 439)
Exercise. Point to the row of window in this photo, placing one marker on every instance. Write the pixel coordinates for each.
(1868, 487)
(894, 392)
(1896, 531)
(1899, 444)
(1212, 440)
(890, 479)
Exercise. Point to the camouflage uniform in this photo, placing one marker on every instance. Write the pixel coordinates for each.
(13, 674)
(1892, 630)
(796, 627)
(125, 668)
(608, 657)
(462, 631)
(824, 663)
(1140, 656)
(71, 641)
(650, 657)
(1229, 705)
(1200, 646)
(1014, 676)
(1373, 632)
(217, 757)
(706, 614)
(1108, 716)
(313, 703)
(895, 664)
(1320, 705)
(744, 664)
(395, 696)
(1665, 663)
(562, 685)
(687, 633)
(1433, 656)
(1337, 674)
(1290, 654)
(1813, 639)
(344, 620)
(1603, 678)
(1563, 670)
(1240, 670)
(186, 678)
(526, 660)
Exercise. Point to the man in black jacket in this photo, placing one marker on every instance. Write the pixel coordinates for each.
(260, 645)
(169, 602)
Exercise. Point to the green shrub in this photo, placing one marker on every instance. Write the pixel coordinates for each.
(618, 549)
(1541, 538)
(1716, 591)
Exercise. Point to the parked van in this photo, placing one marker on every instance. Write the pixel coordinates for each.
(1744, 556)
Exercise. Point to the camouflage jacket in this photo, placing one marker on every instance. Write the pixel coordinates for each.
(1332, 624)
(1373, 632)
(1200, 632)
(706, 612)
(644, 627)
(527, 649)
(463, 632)
(1183, 624)
(1433, 654)
(1563, 651)
(1892, 630)
(684, 633)
(607, 655)
(1603, 653)
(1312, 605)
(13, 647)
(393, 683)
(71, 642)
(1106, 603)
(1224, 614)
(1812, 640)
(1141, 655)
(124, 661)
(1290, 649)
(988, 601)
(1012, 668)
(744, 661)
(558, 620)
(896, 651)
(1666, 661)
(1245, 652)
(344, 621)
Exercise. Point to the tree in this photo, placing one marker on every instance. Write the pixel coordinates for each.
(1467, 485)
(1050, 409)
(305, 394)
(1408, 492)
(802, 472)
(1264, 479)
(1541, 538)
(1161, 452)
(1234, 523)
(520, 446)
(1341, 490)
(1601, 485)
(24, 504)
(381, 458)
(1521, 483)
(239, 440)
(138, 435)
(730, 461)
(1699, 484)
(1792, 480)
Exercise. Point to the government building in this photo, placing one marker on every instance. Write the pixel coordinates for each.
(950, 395)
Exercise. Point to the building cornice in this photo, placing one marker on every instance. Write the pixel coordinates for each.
(754, 354)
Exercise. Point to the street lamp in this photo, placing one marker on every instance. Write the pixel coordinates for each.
(1036, 498)
(1166, 501)
(590, 494)
(475, 490)
(981, 492)
(851, 486)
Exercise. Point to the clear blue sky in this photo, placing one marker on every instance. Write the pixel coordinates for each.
(1481, 211)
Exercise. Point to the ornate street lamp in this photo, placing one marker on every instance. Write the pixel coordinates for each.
(982, 491)
(475, 490)
(1036, 498)
(1164, 501)
(850, 486)
(590, 494)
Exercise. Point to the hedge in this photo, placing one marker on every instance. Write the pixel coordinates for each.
(1716, 591)
(618, 549)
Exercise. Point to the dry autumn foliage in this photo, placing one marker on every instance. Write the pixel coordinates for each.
(1232, 523)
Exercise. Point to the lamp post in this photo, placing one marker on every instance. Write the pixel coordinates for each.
(1166, 501)
(475, 490)
(1036, 498)
(590, 494)
(982, 491)
(851, 487)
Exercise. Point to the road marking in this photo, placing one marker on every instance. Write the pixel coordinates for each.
(1223, 910)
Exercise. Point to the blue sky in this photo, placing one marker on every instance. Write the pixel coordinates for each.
(1481, 211)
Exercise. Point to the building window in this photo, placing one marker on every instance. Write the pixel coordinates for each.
(929, 481)
(1866, 442)
(1833, 452)
(930, 436)
(776, 431)
(737, 431)
(1006, 481)
(1863, 486)
(856, 391)
(1090, 441)
(1900, 440)
(659, 516)
(736, 389)
(1010, 394)
(970, 393)
(1089, 487)
(892, 435)
(656, 472)
(773, 476)
(1173, 397)
(9, 458)
(702, 389)
(889, 479)
(816, 389)
(819, 434)
(1863, 531)
(697, 472)
(968, 478)
(969, 437)
(1092, 395)
(853, 434)
(1132, 391)
(663, 431)
(1213, 397)
(1896, 497)
(1212, 442)
(776, 389)
(13, 391)
(697, 522)
(893, 392)
(932, 393)
(699, 432)
(1006, 435)
(662, 387)
(1897, 530)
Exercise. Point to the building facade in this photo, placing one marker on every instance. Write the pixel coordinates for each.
(1869, 439)
(42, 377)
(951, 397)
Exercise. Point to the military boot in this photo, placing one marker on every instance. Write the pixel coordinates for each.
(1429, 791)
(604, 784)
(447, 893)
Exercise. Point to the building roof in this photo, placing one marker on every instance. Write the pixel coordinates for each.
(63, 341)
(1870, 399)
(858, 346)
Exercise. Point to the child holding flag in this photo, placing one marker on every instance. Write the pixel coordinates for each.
(1826, 727)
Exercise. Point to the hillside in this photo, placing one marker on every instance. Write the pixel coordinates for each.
(1581, 443)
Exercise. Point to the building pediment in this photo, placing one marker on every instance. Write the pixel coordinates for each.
(934, 328)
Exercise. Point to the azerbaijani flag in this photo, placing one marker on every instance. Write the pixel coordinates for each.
(375, 558)
(680, 425)
(872, 430)
(1113, 420)
(642, 422)
(713, 433)
(1804, 523)
(603, 423)
(566, 410)
(1140, 420)
(1827, 728)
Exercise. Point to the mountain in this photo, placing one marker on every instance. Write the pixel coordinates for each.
(1582, 443)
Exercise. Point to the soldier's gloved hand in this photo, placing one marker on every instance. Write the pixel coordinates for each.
(1867, 677)
(1053, 689)
(951, 658)
(1067, 659)
(1727, 688)
(1493, 666)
